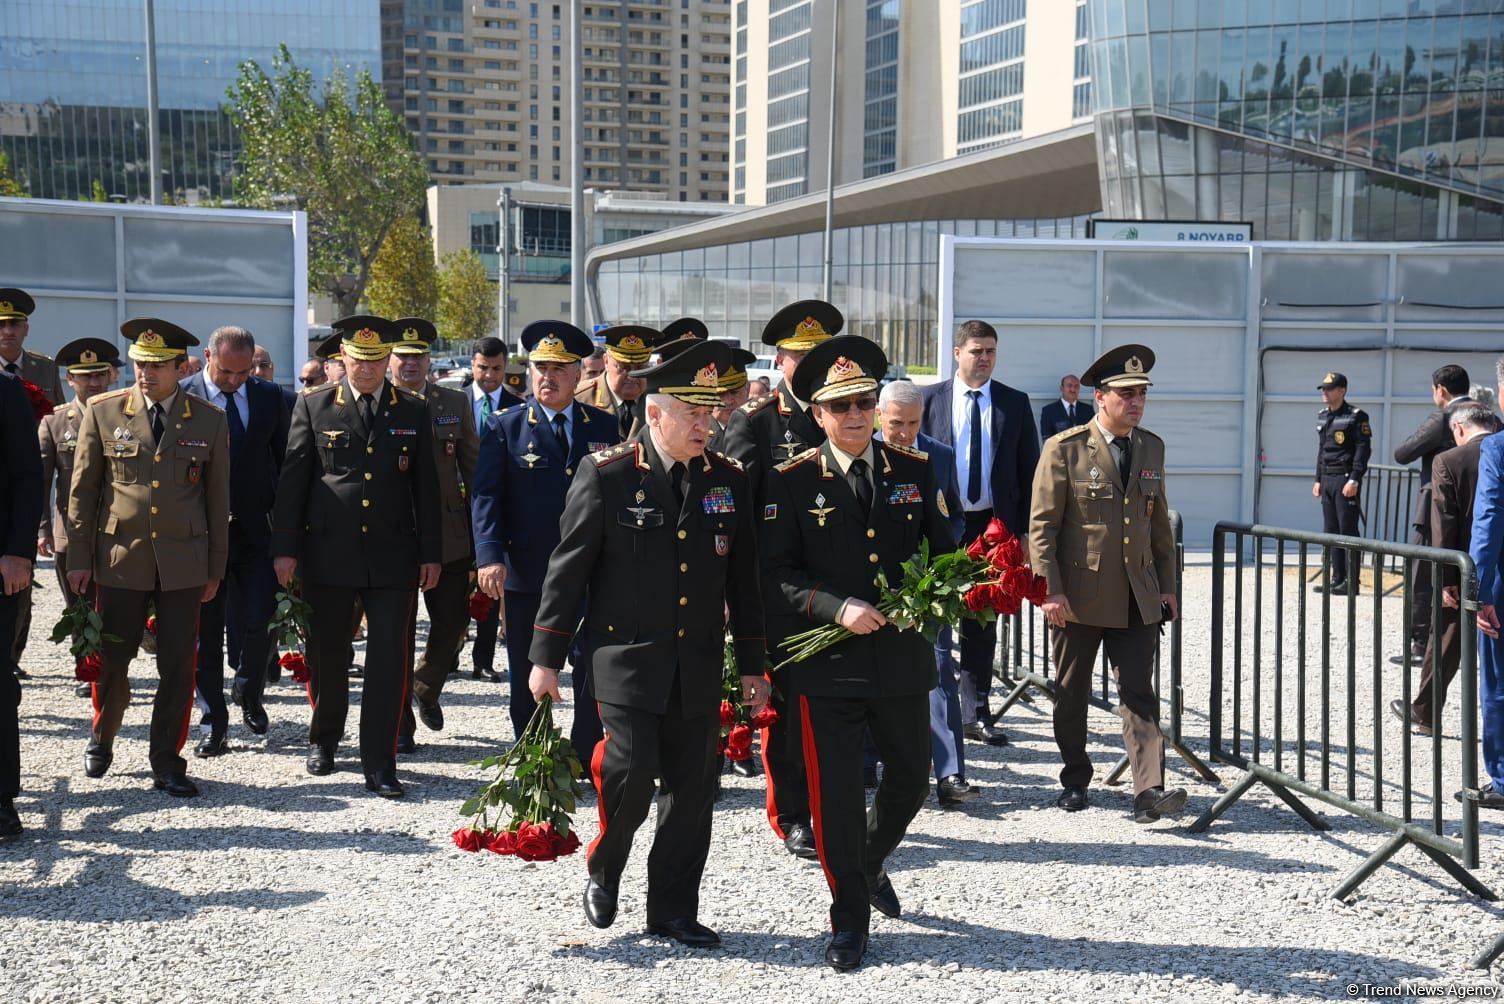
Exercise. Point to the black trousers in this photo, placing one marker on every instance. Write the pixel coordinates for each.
(383, 691)
(448, 605)
(522, 611)
(787, 791)
(1339, 514)
(853, 842)
(978, 641)
(20, 631)
(637, 751)
(1450, 659)
(10, 706)
(1420, 576)
(483, 651)
(243, 604)
(123, 613)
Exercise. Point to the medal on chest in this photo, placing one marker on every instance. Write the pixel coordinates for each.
(821, 510)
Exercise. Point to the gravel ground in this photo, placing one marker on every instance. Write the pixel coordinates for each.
(282, 886)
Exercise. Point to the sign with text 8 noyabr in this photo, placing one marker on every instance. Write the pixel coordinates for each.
(1170, 231)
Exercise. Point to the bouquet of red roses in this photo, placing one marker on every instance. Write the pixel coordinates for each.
(537, 784)
(289, 625)
(40, 406)
(480, 606)
(83, 628)
(988, 578)
(736, 724)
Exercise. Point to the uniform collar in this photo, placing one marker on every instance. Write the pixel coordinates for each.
(844, 460)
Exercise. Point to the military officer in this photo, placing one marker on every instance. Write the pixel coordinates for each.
(22, 498)
(334, 362)
(16, 308)
(1105, 589)
(685, 327)
(454, 446)
(658, 533)
(834, 517)
(735, 388)
(528, 456)
(1344, 441)
(761, 434)
(149, 521)
(357, 507)
(618, 392)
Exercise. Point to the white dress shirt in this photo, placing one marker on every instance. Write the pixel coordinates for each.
(1068, 405)
(223, 400)
(960, 424)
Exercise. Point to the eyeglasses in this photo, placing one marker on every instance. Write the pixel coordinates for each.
(844, 405)
(307, 381)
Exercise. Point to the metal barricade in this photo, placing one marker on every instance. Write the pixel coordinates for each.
(1025, 641)
(1293, 717)
(1389, 498)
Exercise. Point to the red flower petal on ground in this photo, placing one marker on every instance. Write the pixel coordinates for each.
(468, 839)
(534, 842)
(565, 845)
(501, 842)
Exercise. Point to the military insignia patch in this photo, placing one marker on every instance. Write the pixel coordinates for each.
(1366, 430)
(718, 500)
(403, 432)
(722, 545)
(195, 471)
(940, 504)
(821, 510)
(448, 447)
(1148, 475)
(770, 511)
(1149, 507)
(446, 420)
(905, 493)
(598, 447)
(1340, 437)
(402, 463)
(194, 443)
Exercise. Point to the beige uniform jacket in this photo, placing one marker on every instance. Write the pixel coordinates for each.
(137, 515)
(1100, 546)
(455, 444)
(58, 436)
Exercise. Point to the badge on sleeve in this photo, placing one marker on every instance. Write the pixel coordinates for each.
(940, 504)
(770, 511)
(1340, 437)
(1366, 430)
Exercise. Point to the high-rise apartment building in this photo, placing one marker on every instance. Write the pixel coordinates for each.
(918, 81)
(484, 85)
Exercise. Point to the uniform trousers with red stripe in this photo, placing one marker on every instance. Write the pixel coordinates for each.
(854, 843)
(639, 749)
(123, 614)
(383, 690)
(783, 761)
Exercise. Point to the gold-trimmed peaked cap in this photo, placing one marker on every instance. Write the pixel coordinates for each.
(365, 336)
(685, 327)
(632, 344)
(1124, 366)
(87, 355)
(16, 304)
(153, 340)
(690, 371)
(415, 336)
(328, 348)
(839, 367)
(555, 342)
(801, 326)
(735, 377)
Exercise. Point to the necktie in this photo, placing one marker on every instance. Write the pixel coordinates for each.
(485, 408)
(974, 450)
(13, 368)
(624, 419)
(862, 485)
(366, 405)
(1070, 414)
(237, 427)
(1122, 450)
(156, 424)
(560, 434)
(676, 482)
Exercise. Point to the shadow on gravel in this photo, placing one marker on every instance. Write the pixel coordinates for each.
(922, 849)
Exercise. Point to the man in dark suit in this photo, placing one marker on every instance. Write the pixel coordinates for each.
(1066, 413)
(824, 509)
(528, 457)
(991, 428)
(1454, 482)
(357, 508)
(658, 533)
(21, 501)
(258, 417)
(488, 395)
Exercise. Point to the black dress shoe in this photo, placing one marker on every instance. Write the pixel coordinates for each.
(744, 768)
(954, 790)
(356, 670)
(600, 904)
(21, 674)
(1343, 588)
(981, 732)
(84, 690)
(869, 777)
(845, 950)
(1487, 797)
(1156, 803)
(686, 931)
(1072, 799)
(1405, 713)
(175, 784)
(320, 760)
(213, 744)
(431, 715)
(800, 841)
(254, 716)
(384, 783)
(406, 745)
(97, 759)
(883, 898)
(10, 820)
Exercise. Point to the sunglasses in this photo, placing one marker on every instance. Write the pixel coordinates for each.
(306, 381)
(844, 405)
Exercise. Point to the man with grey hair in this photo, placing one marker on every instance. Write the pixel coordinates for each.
(257, 416)
(1486, 547)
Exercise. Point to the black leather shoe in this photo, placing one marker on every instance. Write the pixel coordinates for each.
(384, 783)
(97, 759)
(356, 670)
(1487, 796)
(600, 904)
(1406, 713)
(406, 745)
(845, 950)
(883, 898)
(175, 784)
(744, 768)
(320, 760)
(10, 820)
(869, 777)
(431, 715)
(800, 841)
(254, 716)
(84, 690)
(211, 745)
(1156, 803)
(21, 674)
(1072, 799)
(954, 790)
(686, 931)
(981, 732)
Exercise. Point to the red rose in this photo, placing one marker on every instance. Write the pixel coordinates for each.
(995, 533)
(296, 664)
(977, 598)
(1004, 603)
(728, 713)
(977, 549)
(40, 406)
(1008, 554)
(739, 743)
(1017, 581)
(468, 839)
(501, 842)
(534, 842)
(480, 606)
(1039, 590)
(151, 624)
(566, 845)
(765, 718)
(86, 670)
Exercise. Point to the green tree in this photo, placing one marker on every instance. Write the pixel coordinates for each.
(8, 183)
(97, 193)
(404, 281)
(467, 298)
(343, 156)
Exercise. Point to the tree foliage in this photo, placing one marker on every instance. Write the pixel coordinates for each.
(404, 281)
(343, 156)
(8, 183)
(467, 298)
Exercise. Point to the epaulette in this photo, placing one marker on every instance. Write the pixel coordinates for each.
(753, 407)
(603, 457)
(1071, 433)
(41, 357)
(109, 395)
(731, 462)
(416, 398)
(1149, 435)
(906, 451)
(204, 401)
(795, 461)
(324, 388)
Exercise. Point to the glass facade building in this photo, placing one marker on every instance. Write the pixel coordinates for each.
(880, 108)
(789, 36)
(990, 105)
(73, 85)
(1311, 119)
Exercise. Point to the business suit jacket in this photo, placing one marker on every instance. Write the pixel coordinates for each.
(1101, 546)
(1015, 447)
(521, 478)
(1052, 417)
(624, 540)
(943, 459)
(42, 371)
(138, 515)
(455, 444)
(22, 500)
(1487, 544)
(764, 433)
(255, 468)
(818, 551)
(57, 434)
(1454, 486)
(358, 507)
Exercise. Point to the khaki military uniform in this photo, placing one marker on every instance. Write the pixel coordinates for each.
(58, 436)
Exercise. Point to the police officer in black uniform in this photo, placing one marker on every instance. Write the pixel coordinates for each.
(1345, 440)
(834, 517)
(357, 516)
(658, 533)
